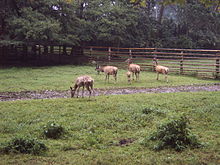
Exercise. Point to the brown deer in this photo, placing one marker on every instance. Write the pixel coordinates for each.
(108, 70)
(82, 81)
(134, 68)
(160, 69)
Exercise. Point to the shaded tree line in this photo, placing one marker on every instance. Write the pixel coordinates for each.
(119, 23)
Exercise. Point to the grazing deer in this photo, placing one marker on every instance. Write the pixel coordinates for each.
(134, 68)
(82, 81)
(108, 70)
(160, 69)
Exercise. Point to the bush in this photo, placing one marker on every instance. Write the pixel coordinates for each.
(175, 134)
(53, 130)
(24, 145)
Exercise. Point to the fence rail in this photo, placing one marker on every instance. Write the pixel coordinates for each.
(200, 62)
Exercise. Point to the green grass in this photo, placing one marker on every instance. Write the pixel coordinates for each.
(61, 77)
(96, 125)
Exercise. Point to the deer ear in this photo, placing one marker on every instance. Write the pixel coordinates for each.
(71, 88)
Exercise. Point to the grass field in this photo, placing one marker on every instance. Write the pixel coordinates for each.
(61, 77)
(95, 125)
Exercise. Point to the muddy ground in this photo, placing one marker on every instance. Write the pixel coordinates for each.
(48, 94)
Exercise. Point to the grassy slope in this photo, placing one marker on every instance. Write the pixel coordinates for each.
(95, 124)
(61, 77)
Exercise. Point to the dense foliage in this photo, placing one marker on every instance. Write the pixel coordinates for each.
(124, 23)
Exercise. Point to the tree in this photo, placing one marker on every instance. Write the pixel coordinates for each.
(120, 23)
(42, 21)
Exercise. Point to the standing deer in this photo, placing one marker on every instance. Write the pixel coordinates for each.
(134, 68)
(82, 81)
(108, 70)
(160, 69)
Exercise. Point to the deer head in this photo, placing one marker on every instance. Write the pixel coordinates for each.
(98, 68)
(129, 61)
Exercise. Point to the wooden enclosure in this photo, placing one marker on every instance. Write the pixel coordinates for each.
(198, 62)
(41, 55)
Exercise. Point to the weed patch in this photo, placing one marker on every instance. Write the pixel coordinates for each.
(53, 130)
(23, 145)
(174, 134)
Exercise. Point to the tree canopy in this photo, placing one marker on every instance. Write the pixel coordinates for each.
(121, 23)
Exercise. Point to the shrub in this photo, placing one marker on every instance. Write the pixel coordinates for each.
(175, 134)
(53, 130)
(24, 145)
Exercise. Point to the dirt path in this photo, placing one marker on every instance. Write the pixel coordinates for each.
(25, 95)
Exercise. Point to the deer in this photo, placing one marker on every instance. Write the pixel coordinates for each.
(160, 69)
(133, 68)
(82, 81)
(108, 70)
(128, 74)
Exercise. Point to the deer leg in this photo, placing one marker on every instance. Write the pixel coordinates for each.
(136, 76)
(83, 91)
(115, 77)
(87, 87)
(133, 75)
(157, 76)
(166, 77)
(78, 92)
(106, 77)
(92, 90)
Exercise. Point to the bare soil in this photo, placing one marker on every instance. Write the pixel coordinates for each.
(49, 94)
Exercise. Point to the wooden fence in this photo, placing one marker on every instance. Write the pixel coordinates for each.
(41, 55)
(199, 62)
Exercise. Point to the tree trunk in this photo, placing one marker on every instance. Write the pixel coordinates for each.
(161, 14)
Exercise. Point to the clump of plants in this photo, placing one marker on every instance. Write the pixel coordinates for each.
(24, 145)
(175, 134)
(149, 110)
(53, 130)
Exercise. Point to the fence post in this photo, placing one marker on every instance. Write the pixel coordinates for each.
(90, 53)
(130, 53)
(181, 64)
(45, 49)
(51, 49)
(154, 57)
(64, 50)
(39, 50)
(109, 54)
(217, 66)
(25, 53)
(59, 53)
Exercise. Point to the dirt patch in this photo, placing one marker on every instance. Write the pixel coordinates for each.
(125, 142)
(49, 94)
